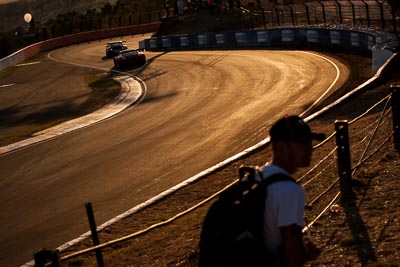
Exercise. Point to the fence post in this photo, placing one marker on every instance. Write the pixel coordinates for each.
(344, 160)
(263, 17)
(323, 11)
(308, 13)
(367, 13)
(42, 257)
(340, 11)
(353, 12)
(277, 15)
(251, 20)
(393, 18)
(383, 22)
(292, 14)
(396, 115)
(95, 236)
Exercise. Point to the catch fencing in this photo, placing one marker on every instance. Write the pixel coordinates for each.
(369, 14)
(328, 181)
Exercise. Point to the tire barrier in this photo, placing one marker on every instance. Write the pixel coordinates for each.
(382, 45)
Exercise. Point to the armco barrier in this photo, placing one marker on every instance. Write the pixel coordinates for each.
(50, 44)
(380, 44)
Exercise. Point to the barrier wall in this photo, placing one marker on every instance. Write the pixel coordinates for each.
(55, 43)
(381, 45)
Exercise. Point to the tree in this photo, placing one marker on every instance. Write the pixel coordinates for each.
(107, 9)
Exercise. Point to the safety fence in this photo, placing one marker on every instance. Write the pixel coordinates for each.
(328, 181)
(93, 23)
(369, 14)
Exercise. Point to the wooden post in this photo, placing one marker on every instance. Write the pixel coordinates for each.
(396, 115)
(344, 159)
(95, 236)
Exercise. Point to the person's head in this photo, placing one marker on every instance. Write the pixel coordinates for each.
(291, 139)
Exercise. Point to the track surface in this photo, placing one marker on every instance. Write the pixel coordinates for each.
(199, 108)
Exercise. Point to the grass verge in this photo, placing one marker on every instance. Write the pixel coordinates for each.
(103, 89)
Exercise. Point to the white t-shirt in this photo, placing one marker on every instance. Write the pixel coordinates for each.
(284, 206)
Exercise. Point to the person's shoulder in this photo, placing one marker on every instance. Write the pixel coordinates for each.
(286, 187)
(269, 170)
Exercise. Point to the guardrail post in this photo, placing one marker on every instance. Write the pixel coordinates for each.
(344, 160)
(95, 236)
(396, 115)
(43, 257)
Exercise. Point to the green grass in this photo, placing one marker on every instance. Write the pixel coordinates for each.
(104, 89)
(7, 71)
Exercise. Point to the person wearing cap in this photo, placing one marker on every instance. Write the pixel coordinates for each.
(291, 140)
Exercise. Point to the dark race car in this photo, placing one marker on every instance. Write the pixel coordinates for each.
(129, 58)
(113, 48)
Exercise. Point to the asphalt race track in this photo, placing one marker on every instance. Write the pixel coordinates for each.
(199, 108)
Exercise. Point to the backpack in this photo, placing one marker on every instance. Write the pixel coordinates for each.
(232, 229)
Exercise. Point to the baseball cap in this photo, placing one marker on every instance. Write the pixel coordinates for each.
(293, 128)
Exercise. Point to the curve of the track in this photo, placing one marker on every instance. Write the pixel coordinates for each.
(201, 107)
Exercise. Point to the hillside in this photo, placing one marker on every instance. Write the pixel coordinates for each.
(12, 13)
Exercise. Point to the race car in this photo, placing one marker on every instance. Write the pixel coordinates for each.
(128, 58)
(113, 48)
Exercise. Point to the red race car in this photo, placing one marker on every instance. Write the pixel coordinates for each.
(127, 58)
